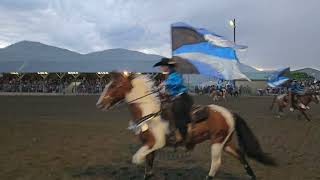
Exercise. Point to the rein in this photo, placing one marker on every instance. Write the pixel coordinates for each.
(153, 92)
(129, 102)
(140, 122)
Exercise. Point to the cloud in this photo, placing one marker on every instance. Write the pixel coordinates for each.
(23, 4)
(278, 32)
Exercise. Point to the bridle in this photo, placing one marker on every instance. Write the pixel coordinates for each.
(138, 124)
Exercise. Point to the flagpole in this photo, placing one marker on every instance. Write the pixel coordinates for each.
(234, 40)
(234, 31)
(171, 41)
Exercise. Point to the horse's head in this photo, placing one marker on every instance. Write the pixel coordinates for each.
(115, 91)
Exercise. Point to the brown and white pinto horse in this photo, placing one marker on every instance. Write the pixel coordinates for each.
(218, 128)
(283, 101)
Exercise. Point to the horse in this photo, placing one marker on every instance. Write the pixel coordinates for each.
(283, 101)
(217, 94)
(233, 92)
(154, 131)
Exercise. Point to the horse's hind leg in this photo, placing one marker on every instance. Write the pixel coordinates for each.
(305, 115)
(231, 149)
(149, 165)
(216, 152)
(280, 111)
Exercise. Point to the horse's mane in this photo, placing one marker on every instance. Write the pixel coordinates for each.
(144, 84)
(146, 81)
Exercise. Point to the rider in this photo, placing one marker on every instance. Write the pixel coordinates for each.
(182, 102)
(294, 90)
(220, 86)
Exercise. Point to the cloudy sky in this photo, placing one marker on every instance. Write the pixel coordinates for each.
(278, 32)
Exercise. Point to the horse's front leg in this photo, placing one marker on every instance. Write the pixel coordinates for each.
(148, 140)
(149, 165)
(153, 139)
(140, 156)
(305, 115)
(151, 143)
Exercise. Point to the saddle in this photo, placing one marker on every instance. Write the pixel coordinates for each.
(199, 113)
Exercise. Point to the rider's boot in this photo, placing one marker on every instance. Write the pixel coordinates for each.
(175, 139)
(188, 137)
(188, 140)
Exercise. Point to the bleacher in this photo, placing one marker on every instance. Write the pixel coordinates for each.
(54, 83)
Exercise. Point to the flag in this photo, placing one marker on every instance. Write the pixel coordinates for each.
(198, 51)
(279, 77)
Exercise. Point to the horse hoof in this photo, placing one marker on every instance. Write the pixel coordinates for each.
(209, 178)
(253, 178)
(148, 176)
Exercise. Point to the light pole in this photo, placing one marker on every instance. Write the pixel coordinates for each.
(232, 23)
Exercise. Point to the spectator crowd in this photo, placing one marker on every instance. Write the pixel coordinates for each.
(94, 85)
(51, 85)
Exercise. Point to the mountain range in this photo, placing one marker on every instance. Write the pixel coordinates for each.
(29, 56)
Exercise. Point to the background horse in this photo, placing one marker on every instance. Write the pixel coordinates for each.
(217, 94)
(283, 101)
(233, 92)
(153, 131)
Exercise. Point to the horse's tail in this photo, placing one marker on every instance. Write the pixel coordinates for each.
(249, 144)
(273, 101)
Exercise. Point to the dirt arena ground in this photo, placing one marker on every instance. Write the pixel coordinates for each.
(61, 138)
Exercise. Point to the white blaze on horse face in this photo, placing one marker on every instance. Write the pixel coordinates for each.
(103, 96)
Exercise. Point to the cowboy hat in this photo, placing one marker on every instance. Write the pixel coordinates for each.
(165, 62)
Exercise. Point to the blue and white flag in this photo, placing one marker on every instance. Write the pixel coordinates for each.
(279, 77)
(199, 51)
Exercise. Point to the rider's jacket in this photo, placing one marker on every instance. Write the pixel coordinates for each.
(174, 84)
(219, 85)
(296, 88)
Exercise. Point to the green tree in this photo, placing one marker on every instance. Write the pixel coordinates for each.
(300, 76)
